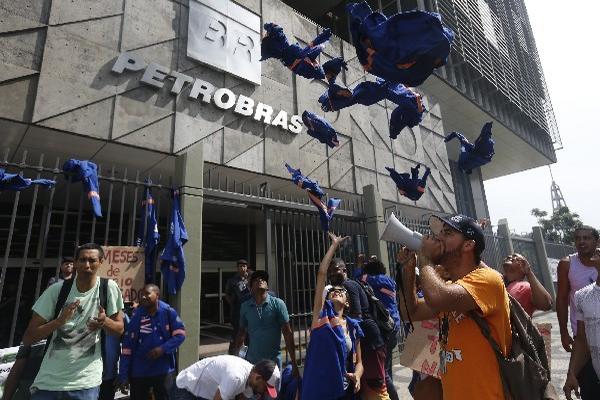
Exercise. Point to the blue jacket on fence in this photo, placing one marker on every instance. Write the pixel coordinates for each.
(17, 183)
(86, 172)
(172, 257)
(145, 332)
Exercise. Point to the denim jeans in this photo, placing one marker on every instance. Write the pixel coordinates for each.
(83, 394)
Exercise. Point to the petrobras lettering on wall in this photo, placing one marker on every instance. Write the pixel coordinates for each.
(155, 75)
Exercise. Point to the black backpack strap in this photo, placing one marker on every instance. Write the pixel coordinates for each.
(65, 289)
(485, 331)
(103, 303)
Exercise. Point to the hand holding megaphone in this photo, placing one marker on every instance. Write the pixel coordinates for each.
(395, 231)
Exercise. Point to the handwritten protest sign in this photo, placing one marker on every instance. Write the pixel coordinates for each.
(124, 265)
(421, 349)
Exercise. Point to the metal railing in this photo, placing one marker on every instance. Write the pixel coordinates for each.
(299, 244)
(526, 247)
(558, 250)
(39, 226)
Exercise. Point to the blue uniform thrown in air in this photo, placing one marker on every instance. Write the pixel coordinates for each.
(404, 48)
(86, 172)
(172, 257)
(320, 129)
(315, 195)
(150, 237)
(327, 358)
(145, 332)
(411, 185)
(17, 183)
(333, 67)
(301, 61)
(474, 155)
(408, 113)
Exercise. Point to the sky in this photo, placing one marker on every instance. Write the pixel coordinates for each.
(566, 37)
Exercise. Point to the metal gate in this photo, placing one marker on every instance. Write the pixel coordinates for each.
(39, 226)
(526, 247)
(298, 245)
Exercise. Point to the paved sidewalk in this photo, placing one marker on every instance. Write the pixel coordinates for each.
(560, 360)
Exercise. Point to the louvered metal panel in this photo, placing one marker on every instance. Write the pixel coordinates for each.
(494, 43)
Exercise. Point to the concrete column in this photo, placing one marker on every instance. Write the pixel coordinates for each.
(478, 190)
(189, 168)
(375, 224)
(504, 231)
(270, 267)
(540, 250)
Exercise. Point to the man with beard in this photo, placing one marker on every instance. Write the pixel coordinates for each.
(575, 272)
(153, 335)
(72, 365)
(468, 364)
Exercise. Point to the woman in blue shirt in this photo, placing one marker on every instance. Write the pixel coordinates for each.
(333, 365)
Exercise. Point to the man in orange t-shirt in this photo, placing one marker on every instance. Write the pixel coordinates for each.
(468, 365)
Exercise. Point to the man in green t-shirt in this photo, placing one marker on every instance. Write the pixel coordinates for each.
(72, 365)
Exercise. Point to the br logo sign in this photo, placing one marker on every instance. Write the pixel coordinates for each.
(226, 36)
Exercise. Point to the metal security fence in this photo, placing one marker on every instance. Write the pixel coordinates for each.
(558, 250)
(526, 247)
(496, 248)
(38, 226)
(299, 244)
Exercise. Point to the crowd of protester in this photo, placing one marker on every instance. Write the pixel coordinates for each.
(88, 348)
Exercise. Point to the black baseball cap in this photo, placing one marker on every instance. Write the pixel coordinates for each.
(463, 224)
(242, 261)
(259, 274)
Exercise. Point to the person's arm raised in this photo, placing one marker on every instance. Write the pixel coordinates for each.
(336, 241)
(417, 308)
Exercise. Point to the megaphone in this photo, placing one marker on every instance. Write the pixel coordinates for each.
(395, 231)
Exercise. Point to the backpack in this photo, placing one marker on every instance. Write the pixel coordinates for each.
(35, 353)
(378, 312)
(525, 373)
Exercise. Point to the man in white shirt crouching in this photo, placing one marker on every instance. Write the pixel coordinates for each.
(227, 378)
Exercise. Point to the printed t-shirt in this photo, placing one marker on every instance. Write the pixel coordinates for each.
(472, 367)
(521, 291)
(73, 360)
